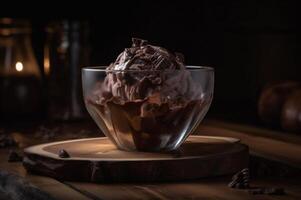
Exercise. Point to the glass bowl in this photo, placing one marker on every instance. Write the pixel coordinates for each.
(148, 110)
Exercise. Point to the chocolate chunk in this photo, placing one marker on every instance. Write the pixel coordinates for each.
(240, 180)
(137, 42)
(148, 50)
(238, 185)
(245, 170)
(142, 61)
(143, 88)
(232, 184)
(63, 154)
(129, 52)
(237, 176)
(162, 63)
(14, 157)
(180, 57)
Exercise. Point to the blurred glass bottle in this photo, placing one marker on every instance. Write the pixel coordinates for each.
(66, 51)
(20, 77)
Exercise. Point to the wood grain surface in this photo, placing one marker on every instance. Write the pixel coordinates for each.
(98, 160)
(275, 145)
(210, 188)
(258, 139)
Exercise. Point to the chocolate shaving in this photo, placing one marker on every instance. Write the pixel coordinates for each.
(162, 63)
(143, 70)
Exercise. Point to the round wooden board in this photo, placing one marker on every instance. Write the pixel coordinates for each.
(98, 160)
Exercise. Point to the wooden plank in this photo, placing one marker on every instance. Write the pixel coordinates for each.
(256, 131)
(55, 188)
(213, 188)
(282, 148)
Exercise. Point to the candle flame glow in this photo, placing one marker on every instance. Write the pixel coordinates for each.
(46, 66)
(19, 66)
(46, 60)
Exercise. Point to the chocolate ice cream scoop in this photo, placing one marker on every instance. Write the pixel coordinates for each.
(143, 56)
(136, 75)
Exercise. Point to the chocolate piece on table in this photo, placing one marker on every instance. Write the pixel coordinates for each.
(63, 154)
(232, 184)
(240, 180)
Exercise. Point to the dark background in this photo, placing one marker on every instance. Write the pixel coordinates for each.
(249, 43)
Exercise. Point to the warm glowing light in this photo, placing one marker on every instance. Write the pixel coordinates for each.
(46, 66)
(19, 66)
(46, 61)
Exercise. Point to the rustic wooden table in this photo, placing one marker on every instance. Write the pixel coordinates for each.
(275, 162)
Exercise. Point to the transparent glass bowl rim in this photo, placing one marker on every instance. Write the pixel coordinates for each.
(188, 67)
